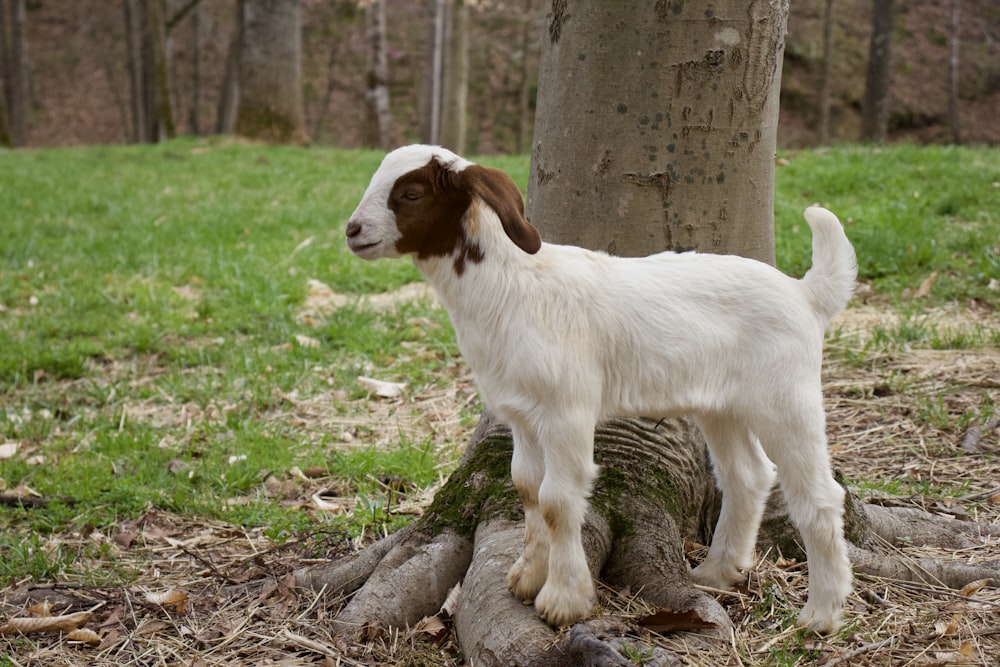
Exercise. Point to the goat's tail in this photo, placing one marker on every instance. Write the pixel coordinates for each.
(830, 282)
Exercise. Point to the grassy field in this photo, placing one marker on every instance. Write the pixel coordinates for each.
(182, 331)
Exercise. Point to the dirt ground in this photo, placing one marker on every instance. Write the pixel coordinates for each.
(902, 420)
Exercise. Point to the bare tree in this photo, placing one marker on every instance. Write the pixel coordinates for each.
(875, 106)
(158, 72)
(379, 130)
(953, 61)
(826, 74)
(225, 115)
(455, 77)
(14, 51)
(270, 72)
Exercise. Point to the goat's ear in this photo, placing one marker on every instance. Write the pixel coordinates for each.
(500, 193)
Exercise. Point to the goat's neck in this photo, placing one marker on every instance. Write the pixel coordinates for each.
(483, 288)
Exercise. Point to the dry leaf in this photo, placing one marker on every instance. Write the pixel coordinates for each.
(306, 341)
(974, 587)
(331, 505)
(66, 623)
(174, 600)
(451, 601)
(381, 388)
(8, 450)
(431, 625)
(949, 627)
(925, 286)
(85, 636)
(667, 620)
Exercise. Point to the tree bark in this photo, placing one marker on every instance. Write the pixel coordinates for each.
(455, 78)
(664, 133)
(379, 131)
(875, 105)
(225, 115)
(953, 123)
(158, 81)
(270, 105)
(826, 75)
(13, 39)
(133, 59)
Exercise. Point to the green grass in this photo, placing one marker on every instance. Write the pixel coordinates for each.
(171, 276)
(910, 211)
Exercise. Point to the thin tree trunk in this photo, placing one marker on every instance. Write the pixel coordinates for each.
(133, 60)
(5, 66)
(826, 75)
(377, 90)
(16, 72)
(194, 121)
(523, 140)
(160, 71)
(225, 115)
(454, 105)
(875, 106)
(437, 70)
(953, 122)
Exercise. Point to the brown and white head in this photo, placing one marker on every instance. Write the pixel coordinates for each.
(427, 202)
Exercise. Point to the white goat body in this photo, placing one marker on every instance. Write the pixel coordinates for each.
(559, 338)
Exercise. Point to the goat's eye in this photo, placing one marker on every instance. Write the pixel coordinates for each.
(412, 195)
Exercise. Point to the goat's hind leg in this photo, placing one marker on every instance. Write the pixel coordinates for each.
(815, 503)
(745, 475)
(527, 576)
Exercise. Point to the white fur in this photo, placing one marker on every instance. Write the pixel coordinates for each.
(563, 338)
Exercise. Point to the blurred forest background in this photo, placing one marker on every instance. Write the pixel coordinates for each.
(462, 73)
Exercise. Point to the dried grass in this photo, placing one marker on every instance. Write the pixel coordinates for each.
(898, 423)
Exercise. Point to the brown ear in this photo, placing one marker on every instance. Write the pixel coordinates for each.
(500, 193)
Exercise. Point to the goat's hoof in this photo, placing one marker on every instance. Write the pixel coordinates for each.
(722, 577)
(821, 620)
(562, 607)
(525, 581)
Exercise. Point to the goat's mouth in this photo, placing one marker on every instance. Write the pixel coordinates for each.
(361, 248)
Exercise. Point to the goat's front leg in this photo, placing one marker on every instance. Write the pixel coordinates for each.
(527, 468)
(568, 593)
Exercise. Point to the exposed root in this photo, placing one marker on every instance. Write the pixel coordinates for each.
(933, 571)
(914, 527)
(411, 582)
(346, 575)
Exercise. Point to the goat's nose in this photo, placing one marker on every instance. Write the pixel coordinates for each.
(353, 228)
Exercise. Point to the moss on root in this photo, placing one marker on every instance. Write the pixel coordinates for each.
(479, 488)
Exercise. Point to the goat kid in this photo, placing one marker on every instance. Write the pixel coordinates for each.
(559, 337)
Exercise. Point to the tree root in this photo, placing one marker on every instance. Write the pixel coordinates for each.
(655, 489)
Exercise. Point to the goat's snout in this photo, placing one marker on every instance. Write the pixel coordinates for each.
(358, 241)
(353, 228)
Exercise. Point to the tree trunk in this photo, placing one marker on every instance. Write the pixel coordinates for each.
(225, 115)
(953, 124)
(676, 154)
(158, 81)
(825, 75)
(133, 59)
(875, 106)
(270, 105)
(379, 130)
(194, 120)
(455, 79)
(524, 128)
(13, 39)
